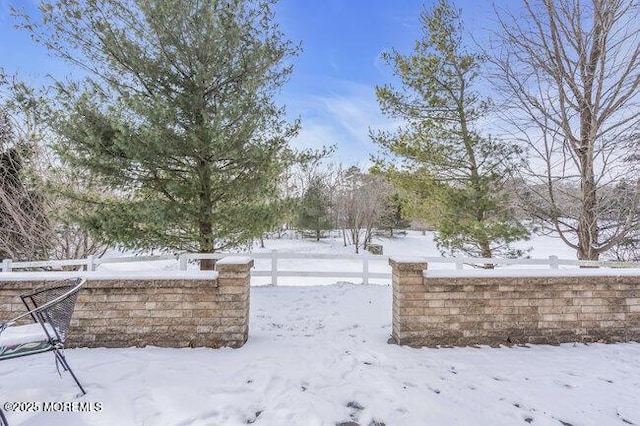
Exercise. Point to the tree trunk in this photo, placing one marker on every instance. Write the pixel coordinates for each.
(205, 220)
(483, 242)
(261, 241)
(368, 235)
(206, 245)
(587, 229)
(587, 222)
(355, 236)
(207, 264)
(485, 249)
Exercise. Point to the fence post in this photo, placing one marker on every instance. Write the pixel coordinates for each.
(182, 262)
(553, 262)
(91, 266)
(274, 267)
(365, 268)
(6, 265)
(459, 262)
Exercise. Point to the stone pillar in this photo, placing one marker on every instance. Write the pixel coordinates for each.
(408, 298)
(234, 281)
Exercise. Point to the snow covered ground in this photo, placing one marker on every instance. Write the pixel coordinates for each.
(319, 356)
(413, 243)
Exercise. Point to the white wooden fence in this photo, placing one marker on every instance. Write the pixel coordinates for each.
(275, 257)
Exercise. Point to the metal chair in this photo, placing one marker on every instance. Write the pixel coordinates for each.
(51, 309)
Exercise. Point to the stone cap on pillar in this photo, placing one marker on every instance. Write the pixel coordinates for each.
(234, 263)
(401, 263)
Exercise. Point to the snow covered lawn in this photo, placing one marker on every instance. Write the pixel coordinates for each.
(319, 356)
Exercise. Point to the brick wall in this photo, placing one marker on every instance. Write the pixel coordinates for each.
(433, 309)
(173, 312)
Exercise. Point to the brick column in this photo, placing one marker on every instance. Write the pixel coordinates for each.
(408, 299)
(234, 281)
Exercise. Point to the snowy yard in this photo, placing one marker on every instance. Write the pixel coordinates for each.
(319, 356)
(413, 244)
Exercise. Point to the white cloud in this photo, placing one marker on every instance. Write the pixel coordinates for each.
(315, 135)
(342, 117)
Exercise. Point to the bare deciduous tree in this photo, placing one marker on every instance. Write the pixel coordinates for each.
(572, 70)
(361, 201)
(25, 230)
(71, 239)
(35, 219)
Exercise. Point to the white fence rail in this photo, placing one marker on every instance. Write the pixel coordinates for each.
(275, 269)
(275, 256)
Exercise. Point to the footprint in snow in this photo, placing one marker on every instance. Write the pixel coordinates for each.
(253, 419)
(434, 390)
(629, 422)
(355, 406)
(564, 385)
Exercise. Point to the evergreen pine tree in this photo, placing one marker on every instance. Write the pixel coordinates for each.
(176, 116)
(452, 174)
(394, 218)
(313, 209)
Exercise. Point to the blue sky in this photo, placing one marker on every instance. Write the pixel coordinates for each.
(332, 87)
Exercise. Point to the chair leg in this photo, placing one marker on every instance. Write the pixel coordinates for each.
(66, 366)
(3, 419)
(60, 360)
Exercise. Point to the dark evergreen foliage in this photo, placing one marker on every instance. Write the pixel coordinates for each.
(175, 120)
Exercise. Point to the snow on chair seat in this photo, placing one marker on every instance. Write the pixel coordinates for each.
(18, 340)
(19, 334)
(51, 309)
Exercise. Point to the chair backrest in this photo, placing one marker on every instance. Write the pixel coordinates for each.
(54, 305)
